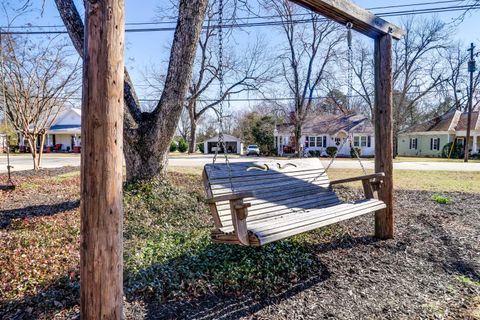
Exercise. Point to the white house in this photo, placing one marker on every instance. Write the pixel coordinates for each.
(64, 134)
(327, 130)
(234, 145)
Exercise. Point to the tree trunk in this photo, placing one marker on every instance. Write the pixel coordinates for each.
(146, 154)
(298, 138)
(192, 144)
(40, 151)
(147, 136)
(31, 139)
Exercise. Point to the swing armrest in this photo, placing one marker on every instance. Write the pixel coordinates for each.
(229, 197)
(377, 176)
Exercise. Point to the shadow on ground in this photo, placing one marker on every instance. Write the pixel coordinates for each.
(6, 216)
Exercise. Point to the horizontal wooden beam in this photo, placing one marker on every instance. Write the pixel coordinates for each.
(344, 11)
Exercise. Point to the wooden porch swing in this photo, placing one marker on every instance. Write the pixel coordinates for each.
(256, 203)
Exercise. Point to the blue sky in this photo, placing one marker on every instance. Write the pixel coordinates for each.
(151, 49)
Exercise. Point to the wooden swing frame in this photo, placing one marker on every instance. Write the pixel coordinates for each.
(101, 248)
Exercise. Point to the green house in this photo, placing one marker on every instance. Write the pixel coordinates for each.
(428, 139)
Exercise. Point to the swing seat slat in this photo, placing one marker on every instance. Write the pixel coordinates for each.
(255, 203)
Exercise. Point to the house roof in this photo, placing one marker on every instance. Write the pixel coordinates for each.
(332, 124)
(226, 137)
(450, 121)
(463, 121)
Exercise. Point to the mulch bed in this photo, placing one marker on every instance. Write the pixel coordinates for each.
(431, 270)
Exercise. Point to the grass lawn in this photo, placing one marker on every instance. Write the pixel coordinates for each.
(425, 159)
(172, 270)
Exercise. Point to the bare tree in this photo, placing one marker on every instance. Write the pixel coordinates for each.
(38, 82)
(147, 135)
(247, 72)
(310, 50)
(417, 71)
(457, 82)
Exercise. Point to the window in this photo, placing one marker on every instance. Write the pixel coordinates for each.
(435, 144)
(319, 142)
(312, 141)
(356, 141)
(338, 141)
(413, 143)
(460, 141)
(363, 141)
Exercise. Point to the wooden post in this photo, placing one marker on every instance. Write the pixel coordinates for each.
(101, 249)
(384, 133)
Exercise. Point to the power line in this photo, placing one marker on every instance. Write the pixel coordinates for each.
(246, 18)
(267, 23)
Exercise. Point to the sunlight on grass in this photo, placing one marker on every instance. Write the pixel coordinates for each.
(446, 181)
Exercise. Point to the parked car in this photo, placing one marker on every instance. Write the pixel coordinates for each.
(253, 149)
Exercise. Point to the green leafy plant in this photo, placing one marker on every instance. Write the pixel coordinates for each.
(332, 151)
(200, 147)
(441, 199)
(173, 146)
(453, 152)
(182, 145)
(352, 152)
(314, 153)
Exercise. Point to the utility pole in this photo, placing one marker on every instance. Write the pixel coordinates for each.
(471, 70)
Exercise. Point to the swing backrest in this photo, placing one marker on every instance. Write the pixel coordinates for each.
(280, 187)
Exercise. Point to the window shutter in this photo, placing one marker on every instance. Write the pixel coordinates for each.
(306, 141)
(324, 141)
(369, 141)
(431, 143)
(438, 144)
(410, 143)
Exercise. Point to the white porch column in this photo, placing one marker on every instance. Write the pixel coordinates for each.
(49, 142)
(474, 145)
(22, 140)
(75, 140)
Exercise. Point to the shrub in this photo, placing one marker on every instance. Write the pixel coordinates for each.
(173, 146)
(182, 145)
(441, 199)
(332, 151)
(200, 147)
(455, 153)
(352, 152)
(169, 254)
(314, 153)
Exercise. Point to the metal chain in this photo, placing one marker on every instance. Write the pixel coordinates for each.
(221, 138)
(350, 65)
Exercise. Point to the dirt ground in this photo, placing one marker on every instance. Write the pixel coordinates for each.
(431, 270)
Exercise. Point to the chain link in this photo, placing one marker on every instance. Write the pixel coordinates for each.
(221, 139)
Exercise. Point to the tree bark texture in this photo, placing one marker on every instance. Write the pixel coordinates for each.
(147, 136)
(384, 219)
(101, 240)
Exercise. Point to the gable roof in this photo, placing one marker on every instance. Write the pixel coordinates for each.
(332, 124)
(454, 120)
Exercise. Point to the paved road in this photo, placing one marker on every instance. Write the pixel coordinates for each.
(24, 162)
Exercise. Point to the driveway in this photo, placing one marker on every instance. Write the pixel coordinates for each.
(24, 162)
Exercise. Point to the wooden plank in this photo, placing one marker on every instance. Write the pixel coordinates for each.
(345, 11)
(212, 206)
(311, 217)
(384, 134)
(101, 210)
(321, 185)
(359, 178)
(307, 176)
(292, 232)
(272, 175)
(257, 216)
(279, 195)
